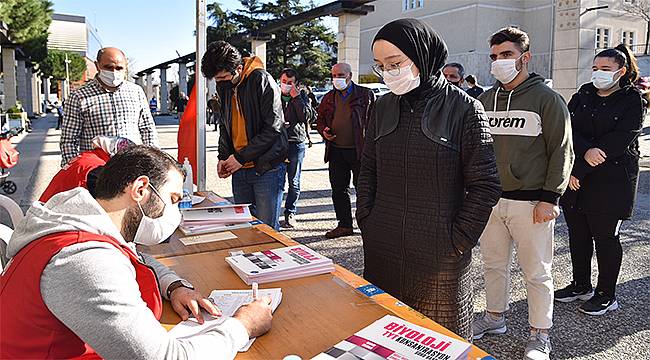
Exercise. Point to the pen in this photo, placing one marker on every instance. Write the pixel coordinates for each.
(255, 288)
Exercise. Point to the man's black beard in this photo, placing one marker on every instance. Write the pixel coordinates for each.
(153, 207)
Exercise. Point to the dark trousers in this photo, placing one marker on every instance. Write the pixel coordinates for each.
(584, 231)
(342, 162)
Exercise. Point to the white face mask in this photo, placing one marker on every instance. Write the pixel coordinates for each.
(340, 83)
(403, 82)
(286, 88)
(604, 80)
(505, 70)
(153, 231)
(111, 78)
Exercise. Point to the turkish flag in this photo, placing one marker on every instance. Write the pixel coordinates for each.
(187, 134)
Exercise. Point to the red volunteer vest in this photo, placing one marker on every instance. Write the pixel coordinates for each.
(75, 173)
(28, 329)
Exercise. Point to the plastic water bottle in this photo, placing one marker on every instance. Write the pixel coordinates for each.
(188, 186)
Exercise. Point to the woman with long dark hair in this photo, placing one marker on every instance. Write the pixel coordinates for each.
(428, 179)
(606, 118)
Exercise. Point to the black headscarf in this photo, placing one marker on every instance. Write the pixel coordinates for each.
(420, 43)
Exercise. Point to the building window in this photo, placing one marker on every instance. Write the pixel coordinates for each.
(412, 4)
(602, 38)
(628, 38)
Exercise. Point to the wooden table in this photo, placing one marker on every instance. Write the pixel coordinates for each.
(316, 312)
(174, 247)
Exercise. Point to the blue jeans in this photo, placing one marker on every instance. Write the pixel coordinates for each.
(296, 154)
(264, 192)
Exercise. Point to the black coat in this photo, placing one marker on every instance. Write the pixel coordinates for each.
(259, 98)
(427, 185)
(612, 124)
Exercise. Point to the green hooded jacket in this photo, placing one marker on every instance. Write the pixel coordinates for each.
(531, 127)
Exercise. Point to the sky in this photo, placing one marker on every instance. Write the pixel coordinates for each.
(148, 31)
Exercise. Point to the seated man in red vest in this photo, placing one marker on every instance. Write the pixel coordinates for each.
(83, 170)
(76, 287)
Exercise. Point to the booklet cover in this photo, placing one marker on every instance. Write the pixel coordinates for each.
(216, 214)
(392, 338)
(279, 264)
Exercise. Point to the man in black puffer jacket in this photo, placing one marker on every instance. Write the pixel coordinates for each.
(252, 137)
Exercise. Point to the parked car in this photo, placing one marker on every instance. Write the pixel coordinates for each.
(378, 88)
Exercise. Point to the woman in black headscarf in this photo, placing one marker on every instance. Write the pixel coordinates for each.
(428, 179)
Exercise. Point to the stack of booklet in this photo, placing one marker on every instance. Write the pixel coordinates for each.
(228, 301)
(393, 338)
(279, 264)
(203, 220)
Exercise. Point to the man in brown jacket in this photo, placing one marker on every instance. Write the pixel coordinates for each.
(342, 119)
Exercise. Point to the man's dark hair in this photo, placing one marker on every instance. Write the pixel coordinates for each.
(471, 79)
(290, 73)
(220, 56)
(129, 164)
(461, 69)
(514, 35)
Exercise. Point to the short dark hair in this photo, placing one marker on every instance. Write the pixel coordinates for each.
(129, 164)
(461, 69)
(220, 56)
(471, 79)
(290, 73)
(512, 34)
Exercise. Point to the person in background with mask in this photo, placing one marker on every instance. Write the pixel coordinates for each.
(473, 88)
(531, 127)
(455, 74)
(343, 116)
(77, 287)
(428, 179)
(252, 137)
(107, 105)
(606, 117)
(295, 122)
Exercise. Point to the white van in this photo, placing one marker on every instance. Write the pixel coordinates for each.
(378, 88)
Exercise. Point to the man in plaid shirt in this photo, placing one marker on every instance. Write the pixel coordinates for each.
(107, 105)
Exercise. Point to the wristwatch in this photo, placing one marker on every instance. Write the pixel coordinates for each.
(176, 284)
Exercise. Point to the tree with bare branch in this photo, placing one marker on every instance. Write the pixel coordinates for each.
(639, 9)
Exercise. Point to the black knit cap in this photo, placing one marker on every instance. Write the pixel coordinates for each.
(419, 42)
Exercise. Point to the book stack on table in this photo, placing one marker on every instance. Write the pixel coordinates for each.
(210, 219)
(279, 264)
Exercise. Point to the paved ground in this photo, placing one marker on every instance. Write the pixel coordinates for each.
(624, 334)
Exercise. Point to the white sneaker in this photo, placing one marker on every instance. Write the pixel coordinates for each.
(538, 346)
(488, 325)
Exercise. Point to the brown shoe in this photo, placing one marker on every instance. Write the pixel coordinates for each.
(338, 232)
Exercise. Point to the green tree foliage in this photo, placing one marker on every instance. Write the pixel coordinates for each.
(28, 21)
(54, 65)
(308, 47)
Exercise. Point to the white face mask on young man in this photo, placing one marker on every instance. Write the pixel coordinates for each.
(153, 231)
(403, 82)
(286, 88)
(604, 80)
(505, 70)
(111, 78)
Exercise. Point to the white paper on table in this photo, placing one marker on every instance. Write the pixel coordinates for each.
(228, 301)
(206, 238)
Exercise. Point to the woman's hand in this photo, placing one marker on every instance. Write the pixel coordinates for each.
(574, 183)
(595, 157)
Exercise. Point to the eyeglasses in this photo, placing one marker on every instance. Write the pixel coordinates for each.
(392, 69)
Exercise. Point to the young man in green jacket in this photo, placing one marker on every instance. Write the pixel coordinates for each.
(531, 128)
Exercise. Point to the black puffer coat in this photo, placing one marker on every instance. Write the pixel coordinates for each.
(427, 185)
(612, 124)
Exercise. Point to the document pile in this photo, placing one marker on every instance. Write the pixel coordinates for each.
(228, 301)
(279, 264)
(210, 219)
(395, 339)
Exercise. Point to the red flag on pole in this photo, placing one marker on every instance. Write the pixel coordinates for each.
(187, 134)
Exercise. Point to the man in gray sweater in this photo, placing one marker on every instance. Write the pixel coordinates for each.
(76, 287)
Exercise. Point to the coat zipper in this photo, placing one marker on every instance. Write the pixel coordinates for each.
(406, 176)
